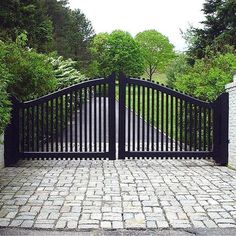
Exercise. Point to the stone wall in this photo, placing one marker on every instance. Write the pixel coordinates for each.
(1, 152)
(231, 89)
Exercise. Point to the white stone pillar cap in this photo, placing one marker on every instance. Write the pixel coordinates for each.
(231, 85)
(234, 77)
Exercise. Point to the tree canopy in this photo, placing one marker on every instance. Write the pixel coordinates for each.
(116, 52)
(218, 29)
(50, 26)
(156, 50)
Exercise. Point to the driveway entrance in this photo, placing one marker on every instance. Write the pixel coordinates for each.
(118, 117)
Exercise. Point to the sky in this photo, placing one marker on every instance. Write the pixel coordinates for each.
(134, 16)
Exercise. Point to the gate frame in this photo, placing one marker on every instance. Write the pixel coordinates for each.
(12, 151)
(220, 126)
(220, 107)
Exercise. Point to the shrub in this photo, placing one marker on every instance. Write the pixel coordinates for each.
(179, 66)
(65, 72)
(4, 102)
(30, 75)
(208, 77)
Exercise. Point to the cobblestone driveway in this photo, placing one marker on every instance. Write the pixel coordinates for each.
(74, 194)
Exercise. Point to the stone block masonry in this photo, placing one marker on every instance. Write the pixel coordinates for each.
(231, 89)
(1, 152)
(120, 194)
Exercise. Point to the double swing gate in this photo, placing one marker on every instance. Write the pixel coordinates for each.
(115, 118)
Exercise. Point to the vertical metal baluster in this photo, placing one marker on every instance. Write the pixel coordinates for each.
(27, 127)
(167, 122)
(143, 116)
(185, 125)
(57, 146)
(176, 124)
(133, 98)
(200, 129)
(138, 119)
(162, 121)
(157, 120)
(66, 122)
(71, 122)
(42, 127)
(76, 121)
(90, 119)
(80, 121)
(61, 122)
(129, 116)
(95, 118)
(181, 125)
(195, 127)
(47, 128)
(209, 130)
(52, 128)
(23, 130)
(148, 119)
(85, 120)
(171, 122)
(104, 118)
(100, 119)
(152, 109)
(204, 129)
(32, 135)
(191, 127)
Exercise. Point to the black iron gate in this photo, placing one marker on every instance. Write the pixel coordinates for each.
(76, 122)
(89, 120)
(173, 124)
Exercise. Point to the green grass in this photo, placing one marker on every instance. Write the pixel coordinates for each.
(157, 77)
(154, 116)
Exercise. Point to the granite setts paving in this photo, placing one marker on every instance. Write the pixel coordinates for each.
(129, 194)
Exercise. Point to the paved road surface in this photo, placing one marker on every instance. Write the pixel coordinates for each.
(98, 120)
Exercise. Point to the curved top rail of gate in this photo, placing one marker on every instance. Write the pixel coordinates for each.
(163, 122)
(169, 91)
(56, 94)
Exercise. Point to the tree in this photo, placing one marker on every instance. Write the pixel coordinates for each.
(72, 31)
(30, 16)
(65, 72)
(156, 49)
(117, 52)
(179, 66)
(50, 26)
(219, 28)
(209, 75)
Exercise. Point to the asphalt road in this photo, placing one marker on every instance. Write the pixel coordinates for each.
(97, 124)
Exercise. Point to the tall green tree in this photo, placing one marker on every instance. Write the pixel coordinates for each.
(30, 16)
(117, 52)
(72, 31)
(50, 25)
(156, 49)
(218, 28)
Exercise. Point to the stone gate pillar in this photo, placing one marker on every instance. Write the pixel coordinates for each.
(231, 89)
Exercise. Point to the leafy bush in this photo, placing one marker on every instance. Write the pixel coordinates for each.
(65, 72)
(4, 102)
(179, 66)
(30, 75)
(208, 77)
